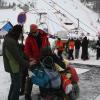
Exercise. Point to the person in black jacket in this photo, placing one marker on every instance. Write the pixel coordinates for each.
(84, 55)
(77, 48)
(98, 48)
(13, 61)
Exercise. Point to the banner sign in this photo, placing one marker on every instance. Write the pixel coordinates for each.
(21, 18)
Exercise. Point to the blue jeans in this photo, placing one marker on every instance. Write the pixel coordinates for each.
(14, 87)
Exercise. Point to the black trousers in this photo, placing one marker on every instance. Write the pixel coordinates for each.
(71, 54)
(23, 76)
(98, 54)
(60, 54)
(14, 87)
(28, 88)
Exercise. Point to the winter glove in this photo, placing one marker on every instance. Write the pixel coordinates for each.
(30, 73)
(68, 88)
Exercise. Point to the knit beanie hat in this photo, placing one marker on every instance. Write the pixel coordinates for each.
(33, 27)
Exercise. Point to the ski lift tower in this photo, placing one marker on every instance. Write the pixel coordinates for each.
(42, 21)
(42, 17)
(77, 29)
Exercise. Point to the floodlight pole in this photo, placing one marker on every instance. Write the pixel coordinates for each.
(78, 23)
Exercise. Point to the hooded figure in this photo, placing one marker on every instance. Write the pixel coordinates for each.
(85, 43)
(77, 48)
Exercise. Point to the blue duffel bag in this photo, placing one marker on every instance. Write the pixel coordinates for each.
(44, 77)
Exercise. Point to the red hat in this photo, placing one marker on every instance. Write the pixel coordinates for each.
(33, 27)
